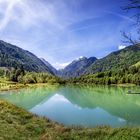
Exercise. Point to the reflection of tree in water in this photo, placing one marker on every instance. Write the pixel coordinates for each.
(30, 97)
(112, 99)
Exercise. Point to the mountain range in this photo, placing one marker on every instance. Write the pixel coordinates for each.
(49, 66)
(77, 67)
(13, 56)
(116, 60)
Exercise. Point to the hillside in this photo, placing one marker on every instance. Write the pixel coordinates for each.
(49, 66)
(77, 67)
(13, 56)
(116, 60)
(137, 64)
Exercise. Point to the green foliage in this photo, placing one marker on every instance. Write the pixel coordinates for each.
(121, 59)
(2, 72)
(137, 64)
(5, 72)
(122, 76)
(32, 77)
(21, 76)
(16, 73)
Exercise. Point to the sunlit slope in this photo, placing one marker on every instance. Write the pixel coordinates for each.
(116, 60)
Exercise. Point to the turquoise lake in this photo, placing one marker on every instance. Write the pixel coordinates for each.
(87, 106)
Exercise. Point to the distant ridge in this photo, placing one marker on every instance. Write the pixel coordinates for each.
(77, 67)
(49, 66)
(123, 58)
(13, 56)
(116, 60)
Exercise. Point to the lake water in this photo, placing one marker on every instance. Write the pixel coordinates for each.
(86, 106)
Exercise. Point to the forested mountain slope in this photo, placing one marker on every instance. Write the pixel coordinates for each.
(13, 56)
(77, 67)
(116, 60)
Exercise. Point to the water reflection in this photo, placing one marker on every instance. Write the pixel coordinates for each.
(59, 109)
(81, 105)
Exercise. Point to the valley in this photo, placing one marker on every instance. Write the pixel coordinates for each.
(21, 66)
(88, 87)
(69, 69)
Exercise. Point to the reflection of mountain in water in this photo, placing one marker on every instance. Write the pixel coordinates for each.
(30, 97)
(112, 99)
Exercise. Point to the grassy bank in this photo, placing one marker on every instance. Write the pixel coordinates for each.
(5, 84)
(9, 85)
(18, 124)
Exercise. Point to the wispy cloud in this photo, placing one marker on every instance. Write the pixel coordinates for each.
(6, 12)
(61, 65)
(27, 13)
(121, 16)
(62, 30)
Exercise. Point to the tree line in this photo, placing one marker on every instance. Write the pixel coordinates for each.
(122, 76)
(21, 76)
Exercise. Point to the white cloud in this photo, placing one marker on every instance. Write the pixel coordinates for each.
(51, 29)
(28, 13)
(122, 16)
(120, 47)
(6, 13)
(61, 65)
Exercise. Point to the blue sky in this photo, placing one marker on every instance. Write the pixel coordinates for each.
(63, 30)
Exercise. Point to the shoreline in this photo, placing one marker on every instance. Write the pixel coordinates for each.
(8, 85)
(17, 86)
(15, 120)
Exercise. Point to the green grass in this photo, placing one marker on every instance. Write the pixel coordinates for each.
(6, 85)
(137, 64)
(18, 124)
(9, 85)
